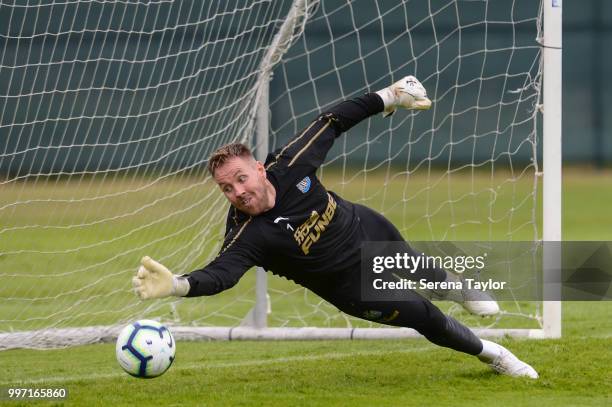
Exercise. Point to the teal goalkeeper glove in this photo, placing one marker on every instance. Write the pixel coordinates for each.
(154, 280)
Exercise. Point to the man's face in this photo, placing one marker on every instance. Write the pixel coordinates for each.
(243, 182)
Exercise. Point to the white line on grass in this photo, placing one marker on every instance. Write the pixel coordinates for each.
(204, 366)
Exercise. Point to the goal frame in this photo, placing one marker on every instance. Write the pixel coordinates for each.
(254, 326)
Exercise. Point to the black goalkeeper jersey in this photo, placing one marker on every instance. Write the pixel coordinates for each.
(310, 231)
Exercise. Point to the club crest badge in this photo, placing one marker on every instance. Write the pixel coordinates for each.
(304, 185)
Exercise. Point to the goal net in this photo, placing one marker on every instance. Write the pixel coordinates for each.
(109, 111)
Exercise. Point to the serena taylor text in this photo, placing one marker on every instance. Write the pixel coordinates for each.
(423, 284)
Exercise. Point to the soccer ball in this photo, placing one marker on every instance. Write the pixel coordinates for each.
(145, 349)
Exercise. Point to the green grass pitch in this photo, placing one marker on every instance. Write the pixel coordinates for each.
(575, 370)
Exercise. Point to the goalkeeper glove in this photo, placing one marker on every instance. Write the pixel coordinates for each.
(407, 93)
(154, 280)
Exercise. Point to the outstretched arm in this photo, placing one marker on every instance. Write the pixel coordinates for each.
(310, 147)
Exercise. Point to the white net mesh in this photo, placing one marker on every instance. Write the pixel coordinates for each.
(110, 110)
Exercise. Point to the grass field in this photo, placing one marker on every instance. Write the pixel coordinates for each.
(574, 370)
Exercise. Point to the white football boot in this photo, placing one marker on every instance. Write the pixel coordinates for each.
(476, 302)
(407, 93)
(503, 361)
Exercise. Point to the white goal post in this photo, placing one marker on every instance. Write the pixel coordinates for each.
(110, 110)
(553, 85)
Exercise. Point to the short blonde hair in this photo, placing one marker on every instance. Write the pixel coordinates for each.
(226, 152)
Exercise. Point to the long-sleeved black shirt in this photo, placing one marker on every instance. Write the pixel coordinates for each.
(309, 231)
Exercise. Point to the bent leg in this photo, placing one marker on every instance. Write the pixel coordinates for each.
(414, 311)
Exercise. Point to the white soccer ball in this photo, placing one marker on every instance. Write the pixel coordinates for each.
(145, 349)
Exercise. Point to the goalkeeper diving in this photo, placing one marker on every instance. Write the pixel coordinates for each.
(274, 206)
